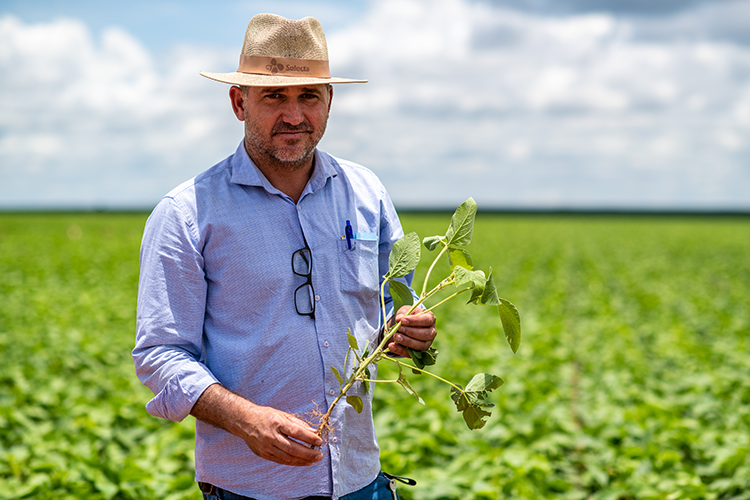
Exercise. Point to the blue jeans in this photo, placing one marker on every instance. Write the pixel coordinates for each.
(376, 490)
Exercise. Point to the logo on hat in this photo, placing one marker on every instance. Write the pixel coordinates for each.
(275, 67)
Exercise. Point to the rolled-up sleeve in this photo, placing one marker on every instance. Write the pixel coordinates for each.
(169, 349)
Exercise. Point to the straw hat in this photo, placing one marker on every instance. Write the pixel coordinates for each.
(282, 52)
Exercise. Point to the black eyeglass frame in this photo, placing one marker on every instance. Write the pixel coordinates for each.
(307, 275)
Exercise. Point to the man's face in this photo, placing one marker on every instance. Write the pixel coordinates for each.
(283, 124)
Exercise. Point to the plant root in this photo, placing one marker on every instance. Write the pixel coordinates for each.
(318, 420)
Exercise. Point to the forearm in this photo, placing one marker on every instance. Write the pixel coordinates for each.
(223, 408)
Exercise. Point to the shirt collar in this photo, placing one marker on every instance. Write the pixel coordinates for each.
(244, 171)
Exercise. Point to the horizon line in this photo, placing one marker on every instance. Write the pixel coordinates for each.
(509, 210)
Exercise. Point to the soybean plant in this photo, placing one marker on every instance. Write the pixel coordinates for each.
(471, 401)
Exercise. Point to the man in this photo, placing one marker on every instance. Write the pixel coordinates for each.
(251, 274)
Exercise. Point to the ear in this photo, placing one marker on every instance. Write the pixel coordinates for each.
(330, 96)
(238, 103)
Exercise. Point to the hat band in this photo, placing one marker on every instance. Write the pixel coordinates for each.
(284, 66)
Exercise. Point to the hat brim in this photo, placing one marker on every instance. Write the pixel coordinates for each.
(254, 80)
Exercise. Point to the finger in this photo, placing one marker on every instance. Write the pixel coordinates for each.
(401, 313)
(281, 457)
(417, 319)
(295, 453)
(417, 345)
(398, 350)
(299, 430)
(426, 334)
(403, 310)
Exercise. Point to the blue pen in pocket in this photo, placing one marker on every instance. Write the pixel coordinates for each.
(352, 237)
(349, 234)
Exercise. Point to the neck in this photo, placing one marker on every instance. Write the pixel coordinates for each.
(289, 178)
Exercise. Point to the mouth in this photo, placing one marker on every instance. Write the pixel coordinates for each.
(292, 134)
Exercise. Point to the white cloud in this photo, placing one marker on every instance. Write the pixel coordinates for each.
(510, 60)
(464, 99)
(94, 122)
(545, 105)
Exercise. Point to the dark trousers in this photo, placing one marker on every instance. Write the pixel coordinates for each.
(379, 489)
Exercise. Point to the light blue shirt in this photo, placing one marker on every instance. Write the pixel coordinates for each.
(215, 304)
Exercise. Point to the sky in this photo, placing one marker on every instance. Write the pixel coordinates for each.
(523, 104)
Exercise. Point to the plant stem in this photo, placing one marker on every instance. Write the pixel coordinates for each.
(446, 299)
(342, 393)
(382, 299)
(429, 271)
(400, 363)
(346, 359)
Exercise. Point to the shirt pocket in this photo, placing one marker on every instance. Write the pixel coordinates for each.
(359, 268)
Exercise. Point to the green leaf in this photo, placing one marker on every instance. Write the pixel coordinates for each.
(476, 295)
(431, 242)
(356, 402)
(365, 382)
(401, 294)
(352, 340)
(404, 256)
(338, 376)
(465, 277)
(472, 400)
(489, 296)
(482, 383)
(460, 257)
(423, 358)
(407, 387)
(462, 224)
(511, 323)
(474, 416)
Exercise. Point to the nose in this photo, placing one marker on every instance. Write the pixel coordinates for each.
(292, 113)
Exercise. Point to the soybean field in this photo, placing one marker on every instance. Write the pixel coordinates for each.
(632, 380)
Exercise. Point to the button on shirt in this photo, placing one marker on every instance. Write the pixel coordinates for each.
(216, 304)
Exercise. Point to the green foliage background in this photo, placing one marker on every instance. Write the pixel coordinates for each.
(632, 380)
